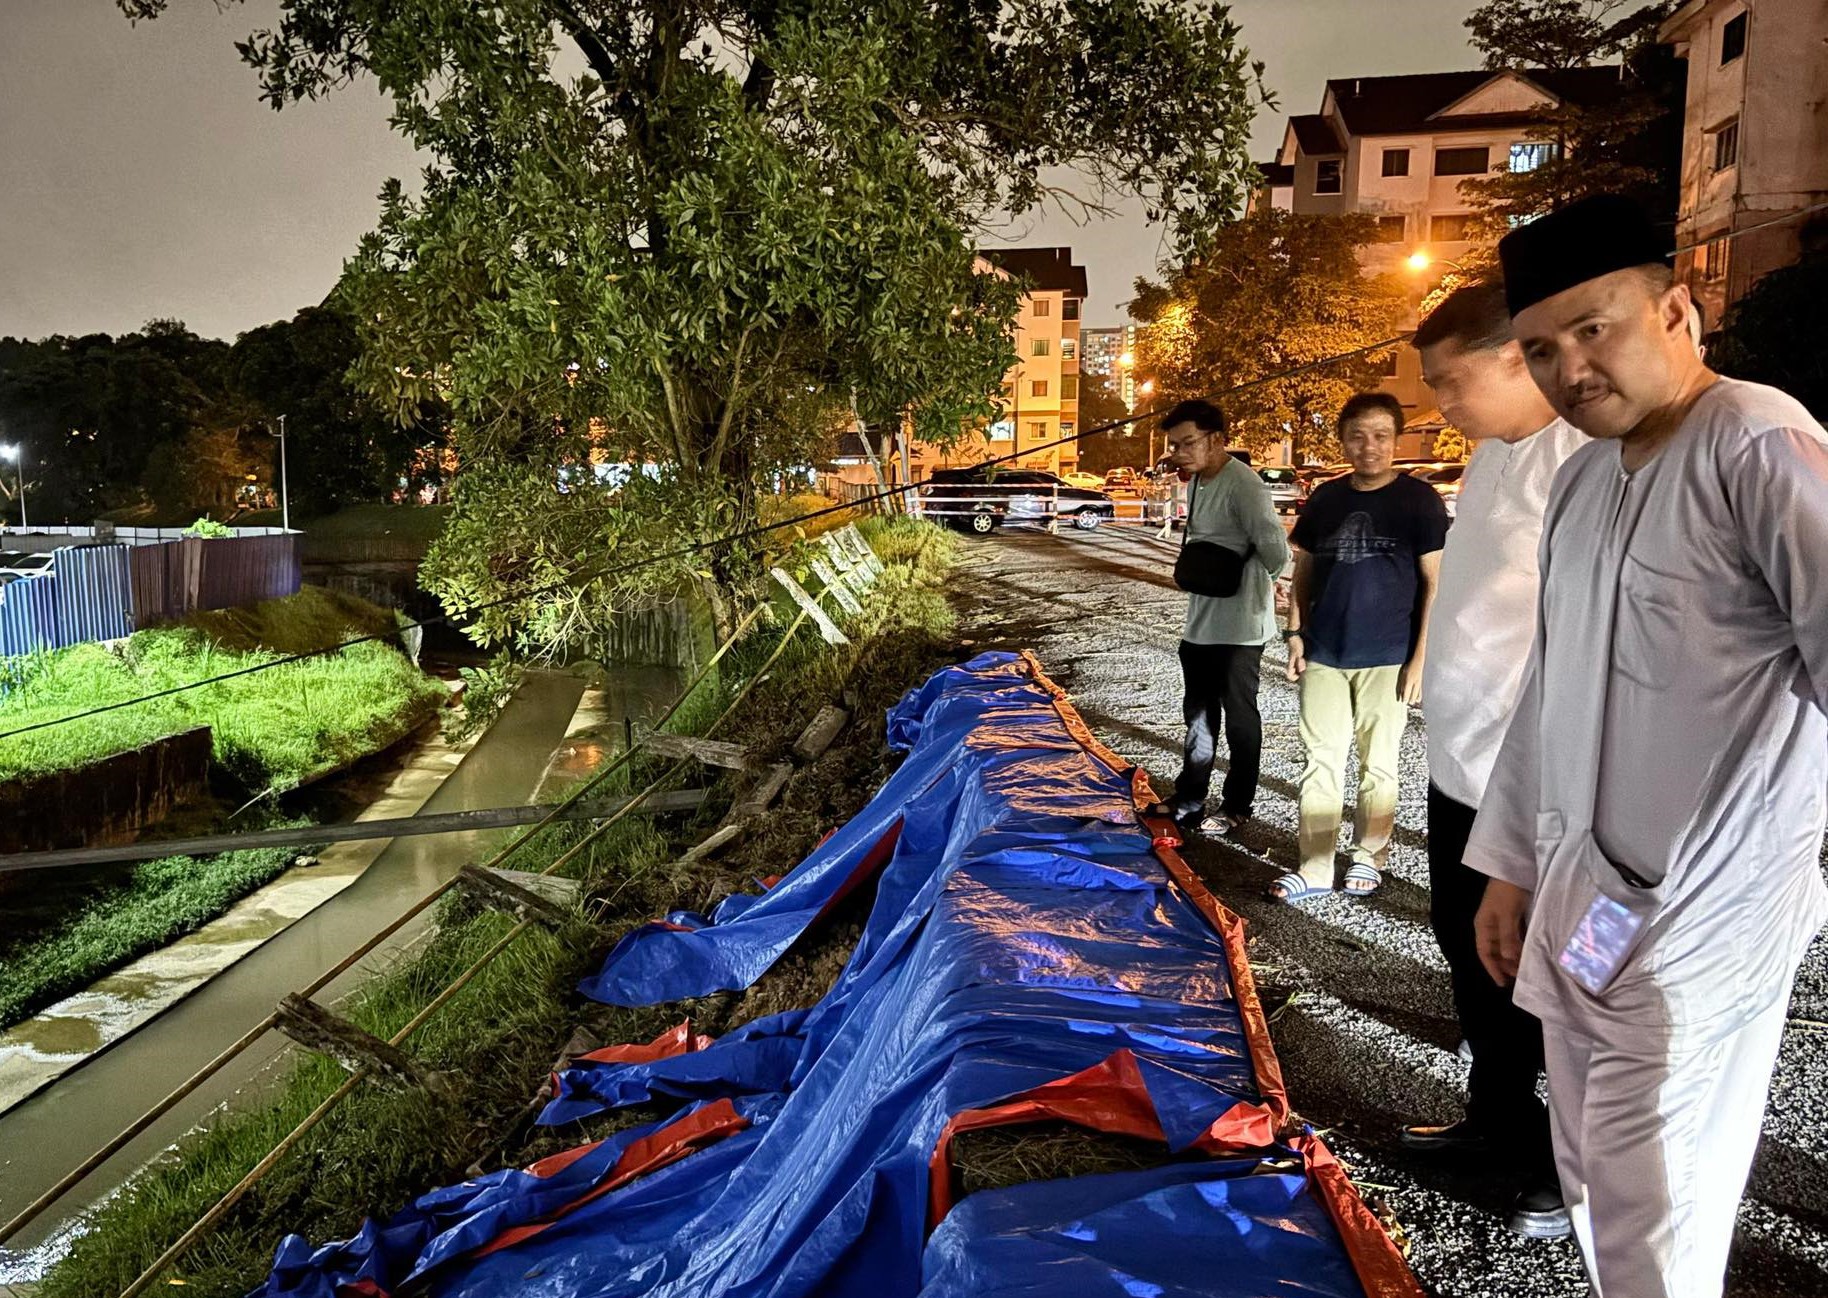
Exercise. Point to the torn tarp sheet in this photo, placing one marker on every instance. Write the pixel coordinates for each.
(1032, 951)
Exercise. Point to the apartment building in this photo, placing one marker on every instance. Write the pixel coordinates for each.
(1754, 140)
(1400, 149)
(1040, 397)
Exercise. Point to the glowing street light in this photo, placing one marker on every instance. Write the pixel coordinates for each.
(1148, 386)
(1420, 261)
(16, 453)
(1127, 359)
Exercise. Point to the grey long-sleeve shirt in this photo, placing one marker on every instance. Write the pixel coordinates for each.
(1233, 509)
(1672, 721)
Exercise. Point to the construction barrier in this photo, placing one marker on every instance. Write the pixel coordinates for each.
(1036, 950)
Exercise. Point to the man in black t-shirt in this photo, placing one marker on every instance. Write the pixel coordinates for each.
(1367, 554)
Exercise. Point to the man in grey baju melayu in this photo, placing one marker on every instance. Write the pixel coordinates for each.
(1653, 826)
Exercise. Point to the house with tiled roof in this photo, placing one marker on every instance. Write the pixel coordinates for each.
(1400, 149)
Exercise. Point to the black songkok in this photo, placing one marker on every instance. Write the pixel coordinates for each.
(1582, 241)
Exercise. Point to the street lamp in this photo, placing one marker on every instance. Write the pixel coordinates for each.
(16, 453)
(285, 503)
(1419, 261)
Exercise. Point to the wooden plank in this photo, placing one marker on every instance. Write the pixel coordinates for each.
(854, 539)
(447, 822)
(810, 606)
(851, 569)
(766, 790)
(496, 890)
(316, 1028)
(819, 735)
(712, 752)
(842, 593)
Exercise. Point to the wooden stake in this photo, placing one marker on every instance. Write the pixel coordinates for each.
(494, 889)
(316, 1028)
(818, 736)
(712, 752)
(828, 629)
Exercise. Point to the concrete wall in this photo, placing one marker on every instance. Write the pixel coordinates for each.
(105, 802)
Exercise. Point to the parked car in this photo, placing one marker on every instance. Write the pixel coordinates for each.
(1445, 479)
(21, 564)
(1285, 489)
(1124, 479)
(980, 499)
(1090, 481)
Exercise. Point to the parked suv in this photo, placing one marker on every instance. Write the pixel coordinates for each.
(1285, 489)
(981, 498)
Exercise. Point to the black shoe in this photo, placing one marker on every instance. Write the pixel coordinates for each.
(1456, 1138)
(1187, 811)
(1540, 1214)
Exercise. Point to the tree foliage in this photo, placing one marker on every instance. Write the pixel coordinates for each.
(1099, 403)
(1775, 334)
(1626, 142)
(341, 447)
(1275, 292)
(690, 232)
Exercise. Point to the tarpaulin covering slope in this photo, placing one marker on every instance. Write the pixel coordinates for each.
(1032, 951)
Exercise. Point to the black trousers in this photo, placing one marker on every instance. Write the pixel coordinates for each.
(1220, 684)
(1506, 1041)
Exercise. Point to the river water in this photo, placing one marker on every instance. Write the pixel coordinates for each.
(46, 1136)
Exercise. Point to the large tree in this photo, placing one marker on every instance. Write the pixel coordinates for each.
(341, 447)
(1775, 335)
(1273, 292)
(1628, 140)
(688, 231)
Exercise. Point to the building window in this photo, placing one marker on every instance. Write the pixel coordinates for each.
(1732, 39)
(1069, 387)
(1069, 349)
(1068, 427)
(1039, 347)
(1069, 309)
(1037, 388)
(1043, 307)
(1451, 228)
(1396, 162)
(1326, 176)
(1037, 430)
(1386, 364)
(1002, 430)
(1713, 258)
(1462, 162)
(1531, 154)
(1726, 146)
(1390, 229)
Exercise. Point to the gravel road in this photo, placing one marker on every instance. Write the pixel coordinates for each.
(1357, 991)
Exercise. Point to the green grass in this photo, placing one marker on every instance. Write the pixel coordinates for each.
(118, 919)
(272, 730)
(499, 1037)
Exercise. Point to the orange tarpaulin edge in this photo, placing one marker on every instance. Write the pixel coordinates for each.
(1380, 1265)
(1109, 1096)
(1225, 922)
(655, 1150)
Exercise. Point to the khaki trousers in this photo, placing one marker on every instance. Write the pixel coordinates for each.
(1340, 706)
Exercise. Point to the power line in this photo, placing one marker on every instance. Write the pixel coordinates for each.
(763, 529)
(687, 551)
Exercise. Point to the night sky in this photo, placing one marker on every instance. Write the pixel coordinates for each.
(141, 177)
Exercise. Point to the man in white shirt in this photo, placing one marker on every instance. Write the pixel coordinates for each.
(1484, 622)
(1653, 825)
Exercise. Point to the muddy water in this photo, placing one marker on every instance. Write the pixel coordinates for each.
(44, 1137)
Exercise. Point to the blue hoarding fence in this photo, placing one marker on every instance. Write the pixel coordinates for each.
(97, 592)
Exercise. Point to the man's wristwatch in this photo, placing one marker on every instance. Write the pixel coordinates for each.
(1291, 633)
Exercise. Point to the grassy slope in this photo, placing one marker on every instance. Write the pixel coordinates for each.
(154, 903)
(501, 1034)
(273, 730)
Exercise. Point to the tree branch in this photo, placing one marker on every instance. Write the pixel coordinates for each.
(585, 37)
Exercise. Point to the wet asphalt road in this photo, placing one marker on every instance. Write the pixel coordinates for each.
(1357, 991)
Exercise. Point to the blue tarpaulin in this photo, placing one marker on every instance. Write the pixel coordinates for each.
(1035, 950)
